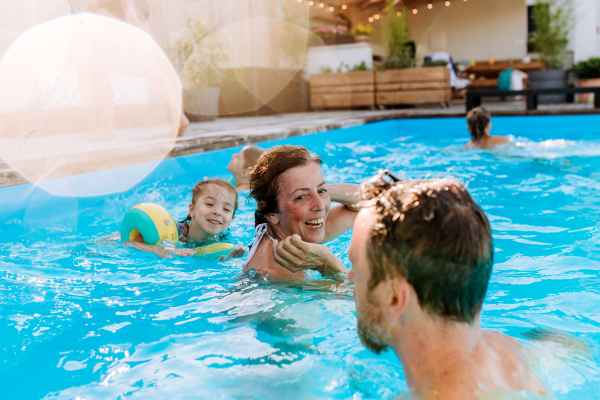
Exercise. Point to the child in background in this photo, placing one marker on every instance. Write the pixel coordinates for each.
(213, 206)
(240, 166)
(479, 124)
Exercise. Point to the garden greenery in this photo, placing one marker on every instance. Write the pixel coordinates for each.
(200, 55)
(588, 69)
(553, 21)
(400, 54)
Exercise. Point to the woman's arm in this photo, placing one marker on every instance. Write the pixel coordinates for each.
(341, 218)
(344, 193)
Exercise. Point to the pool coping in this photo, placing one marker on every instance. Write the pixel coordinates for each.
(195, 141)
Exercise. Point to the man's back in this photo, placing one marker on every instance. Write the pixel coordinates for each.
(497, 364)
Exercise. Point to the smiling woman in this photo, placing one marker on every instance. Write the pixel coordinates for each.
(294, 214)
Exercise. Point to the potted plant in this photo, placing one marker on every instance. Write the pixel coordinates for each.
(399, 81)
(588, 75)
(201, 59)
(348, 87)
(331, 35)
(553, 20)
(362, 33)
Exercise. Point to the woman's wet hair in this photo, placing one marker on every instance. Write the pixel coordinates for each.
(204, 186)
(434, 235)
(477, 120)
(251, 154)
(264, 180)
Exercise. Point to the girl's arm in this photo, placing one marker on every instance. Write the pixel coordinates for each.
(341, 218)
(159, 251)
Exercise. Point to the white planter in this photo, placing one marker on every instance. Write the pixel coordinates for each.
(201, 104)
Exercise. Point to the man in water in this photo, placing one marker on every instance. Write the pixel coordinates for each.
(421, 256)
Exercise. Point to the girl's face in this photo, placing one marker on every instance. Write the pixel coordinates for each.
(213, 210)
(303, 204)
(236, 165)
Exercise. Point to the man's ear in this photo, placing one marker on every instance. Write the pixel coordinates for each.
(272, 218)
(399, 295)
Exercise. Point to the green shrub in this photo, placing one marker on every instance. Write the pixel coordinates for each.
(588, 69)
(438, 63)
(400, 54)
(553, 21)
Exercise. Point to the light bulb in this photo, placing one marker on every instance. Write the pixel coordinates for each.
(331, 9)
(321, 5)
(430, 6)
(398, 13)
(344, 7)
(370, 19)
(376, 16)
(310, 3)
(415, 11)
(447, 3)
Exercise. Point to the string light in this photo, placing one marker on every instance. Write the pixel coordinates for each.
(345, 6)
(331, 9)
(370, 19)
(376, 16)
(415, 10)
(447, 3)
(399, 13)
(321, 5)
(310, 3)
(430, 6)
(299, 1)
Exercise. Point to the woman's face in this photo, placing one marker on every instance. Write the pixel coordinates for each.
(303, 204)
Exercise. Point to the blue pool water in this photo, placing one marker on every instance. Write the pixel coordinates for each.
(81, 316)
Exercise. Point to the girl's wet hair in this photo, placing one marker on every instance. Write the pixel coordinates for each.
(203, 186)
(251, 155)
(264, 181)
(477, 120)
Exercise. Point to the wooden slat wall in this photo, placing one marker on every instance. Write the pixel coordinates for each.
(345, 90)
(413, 86)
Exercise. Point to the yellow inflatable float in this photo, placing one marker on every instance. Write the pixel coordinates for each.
(155, 224)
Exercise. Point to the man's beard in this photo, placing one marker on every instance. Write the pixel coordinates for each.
(370, 326)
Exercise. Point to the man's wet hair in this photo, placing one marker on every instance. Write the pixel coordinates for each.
(434, 235)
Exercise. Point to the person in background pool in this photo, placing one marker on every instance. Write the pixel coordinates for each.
(422, 257)
(213, 206)
(241, 164)
(294, 214)
(479, 124)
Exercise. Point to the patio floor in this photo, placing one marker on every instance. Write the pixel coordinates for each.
(230, 132)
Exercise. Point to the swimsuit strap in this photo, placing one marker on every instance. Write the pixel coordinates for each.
(259, 232)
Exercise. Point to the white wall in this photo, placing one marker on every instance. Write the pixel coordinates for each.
(471, 30)
(585, 40)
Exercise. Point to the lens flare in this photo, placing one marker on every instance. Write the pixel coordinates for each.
(86, 93)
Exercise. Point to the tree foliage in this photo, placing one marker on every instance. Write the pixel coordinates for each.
(553, 21)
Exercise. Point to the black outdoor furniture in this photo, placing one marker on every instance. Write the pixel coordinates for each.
(474, 96)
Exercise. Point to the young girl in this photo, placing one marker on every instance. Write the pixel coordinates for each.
(479, 124)
(240, 166)
(213, 206)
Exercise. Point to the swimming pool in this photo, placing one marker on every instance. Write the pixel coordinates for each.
(83, 317)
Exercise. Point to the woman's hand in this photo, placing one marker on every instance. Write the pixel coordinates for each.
(235, 253)
(296, 255)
